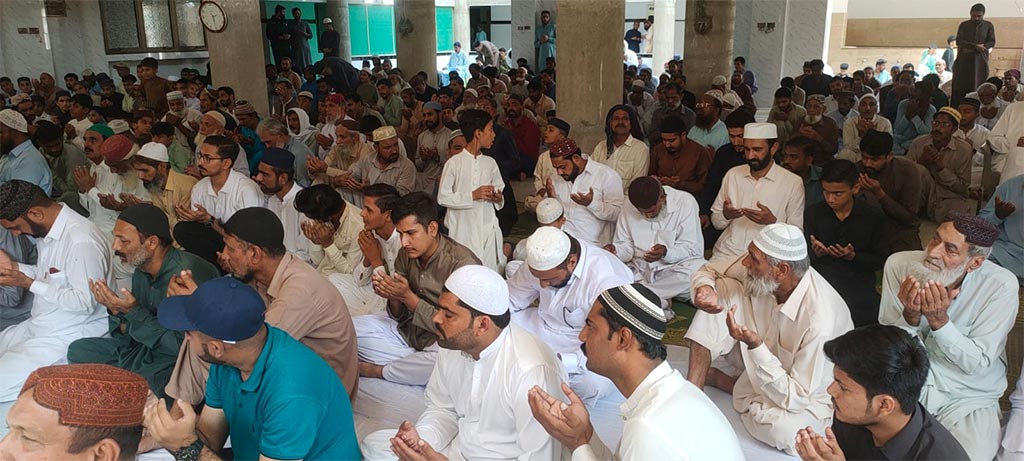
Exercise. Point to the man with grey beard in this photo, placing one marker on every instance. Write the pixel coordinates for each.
(779, 313)
(137, 342)
(817, 126)
(961, 306)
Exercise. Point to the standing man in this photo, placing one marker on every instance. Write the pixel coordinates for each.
(961, 306)
(137, 342)
(544, 40)
(72, 251)
(756, 194)
(740, 65)
(471, 190)
(975, 38)
(665, 417)
(300, 35)
(781, 313)
(565, 276)
(477, 399)
(658, 236)
(401, 345)
(458, 61)
(272, 395)
(279, 34)
(634, 37)
(590, 193)
(847, 244)
(330, 40)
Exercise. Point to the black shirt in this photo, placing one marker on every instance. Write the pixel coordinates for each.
(923, 438)
(816, 84)
(331, 39)
(633, 39)
(504, 152)
(854, 280)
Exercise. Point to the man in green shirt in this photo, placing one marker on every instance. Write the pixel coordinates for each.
(137, 342)
(62, 157)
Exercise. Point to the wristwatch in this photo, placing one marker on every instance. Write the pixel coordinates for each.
(191, 452)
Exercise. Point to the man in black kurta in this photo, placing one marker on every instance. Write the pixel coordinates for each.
(974, 37)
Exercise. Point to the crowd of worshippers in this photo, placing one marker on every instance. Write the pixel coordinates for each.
(212, 273)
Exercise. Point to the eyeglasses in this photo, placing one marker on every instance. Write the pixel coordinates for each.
(942, 123)
(207, 158)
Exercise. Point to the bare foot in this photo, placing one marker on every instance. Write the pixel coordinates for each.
(719, 380)
(371, 370)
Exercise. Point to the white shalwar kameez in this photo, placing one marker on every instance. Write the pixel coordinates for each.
(967, 355)
(63, 309)
(562, 312)
(594, 223)
(677, 227)
(479, 409)
(357, 287)
(108, 182)
(473, 223)
(784, 384)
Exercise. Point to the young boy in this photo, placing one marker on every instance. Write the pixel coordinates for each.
(179, 156)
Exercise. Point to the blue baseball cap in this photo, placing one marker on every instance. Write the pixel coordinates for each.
(223, 308)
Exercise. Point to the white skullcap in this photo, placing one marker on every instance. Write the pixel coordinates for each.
(154, 151)
(118, 126)
(328, 21)
(549, 210)
(547, 248)
(175, 95)
(479, 287)
(472, 92)
(760, 131)
(639, 83)
(719, 80)
(219, 117)
(782, 241)
(173, 78)
(732, 100)
(14, 120)
(715, 93)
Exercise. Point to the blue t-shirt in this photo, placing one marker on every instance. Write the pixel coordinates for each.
(293, 406)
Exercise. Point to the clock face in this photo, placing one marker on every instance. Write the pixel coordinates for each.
(213, 16)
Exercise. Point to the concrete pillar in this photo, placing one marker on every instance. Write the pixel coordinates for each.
(233, 65)
(416, 49)
(709, 38)
(460, 25)
(337, 10)
(589, 65)
(525, 15)
(664, 33)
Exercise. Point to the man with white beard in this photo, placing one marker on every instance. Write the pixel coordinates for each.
(961, 306)
(213, 123)
(782, 312)
(992, 106)
(184, 119)
(820, 128)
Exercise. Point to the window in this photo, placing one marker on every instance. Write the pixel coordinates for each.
(372, 29)
(134, 26)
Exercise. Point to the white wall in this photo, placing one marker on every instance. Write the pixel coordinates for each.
(919, 9)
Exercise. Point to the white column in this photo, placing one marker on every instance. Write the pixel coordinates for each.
(337, 10)
(664, 33)
(234, 65)
(460, 25)
(417, 50)
(525, 14)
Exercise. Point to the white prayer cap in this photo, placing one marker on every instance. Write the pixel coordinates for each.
(219, 117)
(14, 120)
(328, 21)
(479, 287)
(719, 80)
(173, 78)
(760, 131)
(639, 84)
(782, 241)
(118, 126)
(547, 248)
(549, 210)
(471, 91)
(175, 95)
(715, 93)
(154, 151)
(731, 100)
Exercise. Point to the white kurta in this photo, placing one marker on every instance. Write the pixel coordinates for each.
(1013, 437)
(294, 240)
(237, 192)
(108, 182)
(63, 309)
(967, 356)
(783, 387)
(666, 418)
(344, 254)
(594, 223)
(473, 223)
(851, 137)
(779, 190)
(357, 287)
(188, 115)
(677, 227)
(1004, 137)
(479, 409)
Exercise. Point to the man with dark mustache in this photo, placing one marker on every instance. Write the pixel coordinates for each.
(948, 162)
